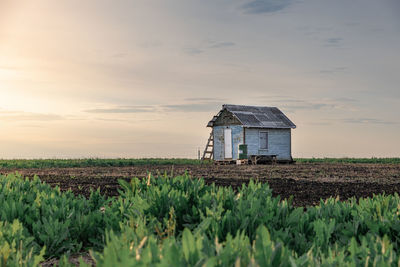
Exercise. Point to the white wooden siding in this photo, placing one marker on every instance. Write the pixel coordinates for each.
(219, 143)
(279, 143)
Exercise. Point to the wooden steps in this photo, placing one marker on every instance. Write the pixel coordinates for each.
(208, 153)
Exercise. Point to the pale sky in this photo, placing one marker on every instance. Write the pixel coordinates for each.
(101, 78)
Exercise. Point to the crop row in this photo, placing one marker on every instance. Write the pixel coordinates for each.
(350, 160)
(183, 222)
(92, 162)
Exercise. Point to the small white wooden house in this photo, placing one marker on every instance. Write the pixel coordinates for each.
(265, 131)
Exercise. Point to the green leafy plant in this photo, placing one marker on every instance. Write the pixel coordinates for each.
(181, 221)
(16, 247)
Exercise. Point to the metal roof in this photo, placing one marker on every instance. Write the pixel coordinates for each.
(259, 117)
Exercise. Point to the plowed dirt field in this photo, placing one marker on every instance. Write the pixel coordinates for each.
(307, 183)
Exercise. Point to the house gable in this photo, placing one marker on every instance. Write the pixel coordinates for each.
(226, 118)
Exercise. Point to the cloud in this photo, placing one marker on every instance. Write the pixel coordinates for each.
(203, 48)
(345, 99)
(286, 100)
(8, 73)
(122, 109)
(210, 44)
(352, 24)
(193, 50)
(18, 116)
(333, 70)
(292, 104)
(265, 6)
(368, 121)
(6, 67)
(204, 107)
(309, 106)
(324, 123)
(196, 104)
(222, 45)
(151, 44)
(120, 55)
(333, 42)
(204, 99)
(314, 31)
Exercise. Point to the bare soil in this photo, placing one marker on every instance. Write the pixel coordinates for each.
(307, 183)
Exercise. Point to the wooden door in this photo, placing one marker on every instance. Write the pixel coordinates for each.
(228, 143)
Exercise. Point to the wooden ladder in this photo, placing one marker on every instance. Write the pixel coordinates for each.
(208, 155)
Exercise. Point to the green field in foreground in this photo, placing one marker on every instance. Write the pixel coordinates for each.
(96, 162)
(181, 221)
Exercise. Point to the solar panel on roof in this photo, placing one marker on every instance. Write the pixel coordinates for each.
(248, 119)
(261, 117)
(267, 117)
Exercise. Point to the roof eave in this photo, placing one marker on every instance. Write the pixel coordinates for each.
(268, 127)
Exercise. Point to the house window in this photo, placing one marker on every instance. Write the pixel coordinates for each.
(263, 140)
